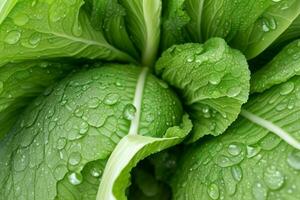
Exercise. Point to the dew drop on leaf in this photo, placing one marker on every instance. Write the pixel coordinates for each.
(95, 172)
(223, 161)
(213, 191)
(287, 88)
(259, 192)
(60, 171)
(293, 159)
(252, 151)
(234, 149)
(237, 172)
(273, 178)
(34, 39)
(61, 143)
(21, 19)
(129, 112)
(12, 37)
(83, 128)
(77, 30)
(75, 178)
(214, 79)
(74, 158)
(111, 99)
(234, 91)
(93, 103)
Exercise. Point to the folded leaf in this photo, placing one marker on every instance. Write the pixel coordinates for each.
(52, 29)
(130, 150)
(20, 83)
(143, 23)
(283, 66)
(62, 141)
(248, 25)
(258, 157)
(174, 18)
(108, 16)
(213, 81)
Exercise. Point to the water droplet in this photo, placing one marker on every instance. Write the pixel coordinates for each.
(281, 106)
(111, 99)
(93, 103)
(259, 192)
(287, 88)
(75, 178)
(276, 1)
(268, 24)
(1, 86)
(77, 30)
(12, 37)
(273, 178)
(213, 191)
(252, 151)
(83, 128)
(214, 79)
(190, 59)
(34, 39)
(293, 159)
(79, 112)
(60, 171)
(95, 172)
(149, 117)
(21, 19)
(61, 143)
(129, 112)
(74, 158)
(224, 161)
(234, 91)
(96, 119)
(234, 149)
(237, 172)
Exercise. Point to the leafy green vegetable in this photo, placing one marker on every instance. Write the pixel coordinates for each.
(258, 156)
(20, 83)
(173, 20)
(143, 23)
(283, 66)
(47, 29)
(74, 127)
(81, 121)
(248, 25)
(212, 79)
(108, 16)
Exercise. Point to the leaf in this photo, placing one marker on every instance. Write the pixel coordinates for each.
(283, 66)
(20, 83)
(174, 18)
(108, 16)
(64, 134)
(250, 26)
(143, 24)
(130, 150)
(194, 8)
(5, 7)
(47, 29)
(289, 34)
(212, 79)
(257, 158)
